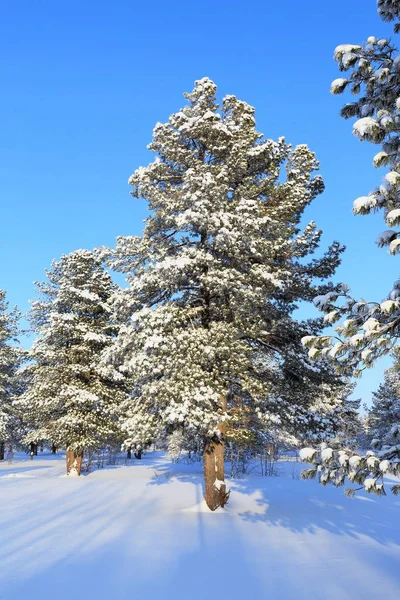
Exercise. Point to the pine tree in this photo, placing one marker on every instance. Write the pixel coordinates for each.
(11, 357)
(73, 400)
(348, 420)
(336, 462)
(215, 277)
(369, 329)
(385, 409)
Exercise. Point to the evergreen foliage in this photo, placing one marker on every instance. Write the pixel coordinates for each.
(208, 334)
(369, 329)
(348, 421)
(385, 409)
(11, 358)
(73, 399)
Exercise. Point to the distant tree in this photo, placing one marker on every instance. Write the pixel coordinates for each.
(385, 409)
(11, 356)
(364, 437)
(73, 400)
(215, 278)
(349, 423)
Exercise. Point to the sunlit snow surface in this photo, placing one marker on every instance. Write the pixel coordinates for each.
(143, 532)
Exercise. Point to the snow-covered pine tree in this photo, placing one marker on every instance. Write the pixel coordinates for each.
(10, 360)
(222, 258)
(385, 409)
(369, 329)
(73, 399)
(341, 460)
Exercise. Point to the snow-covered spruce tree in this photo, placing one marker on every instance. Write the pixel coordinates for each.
(73, 399)
(221, 260)
(385, 409)
(11, 357)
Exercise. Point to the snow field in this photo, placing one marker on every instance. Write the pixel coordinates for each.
(143, 531)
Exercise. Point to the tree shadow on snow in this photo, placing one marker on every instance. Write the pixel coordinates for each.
(300, 506)
(305, 506)
(124, 538)
(13, 471)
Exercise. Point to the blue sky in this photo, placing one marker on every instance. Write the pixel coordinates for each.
(83, 84)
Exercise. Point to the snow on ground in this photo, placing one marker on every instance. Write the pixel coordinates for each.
(142, 532)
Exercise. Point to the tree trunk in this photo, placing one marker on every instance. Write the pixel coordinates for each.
(138, 454)
(1, 450)
(10, 454)
(33, 450)
(129, 453)
(74, 462)
(214, 476)
(53, 449)
(215, 490)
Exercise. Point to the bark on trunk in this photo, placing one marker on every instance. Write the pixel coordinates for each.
(214, 477)
(74, 462)
(53, 449)
(215, 488)
(1, 450)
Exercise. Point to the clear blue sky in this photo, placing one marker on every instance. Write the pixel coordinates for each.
(84, 82)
